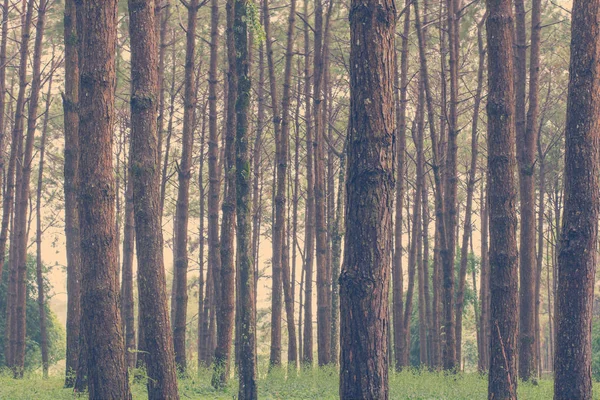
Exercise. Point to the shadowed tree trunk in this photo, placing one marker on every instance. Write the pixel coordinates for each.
(364, 281)
(7, 202)
(247, 376)
(309, 240)
(467, 232)
(23, 190)
(127, 306)
(180, 249)
(107, 371)
(71, 174)
(39, 232)
(225, 280)
(578, 239)
(502, 202)
(145, 183)
(397, 272)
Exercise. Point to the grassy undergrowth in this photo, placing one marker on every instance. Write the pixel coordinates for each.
(314, 384)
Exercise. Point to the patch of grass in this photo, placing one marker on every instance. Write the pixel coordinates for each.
(317, 384)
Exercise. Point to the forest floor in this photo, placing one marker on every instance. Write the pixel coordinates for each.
(315, 384)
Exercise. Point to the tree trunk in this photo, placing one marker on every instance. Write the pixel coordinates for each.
(214, 181)
(225, 280)
(180, 249)
(578, 240)
(71, 174)
(7, 202)
(127, 306)
(310, 201)
(107, 377)
(247, 377)
(145, 183)
(23, 190)
(502, 200)
(38, 236)
(468, 229)
(364, 281)
(397, 272)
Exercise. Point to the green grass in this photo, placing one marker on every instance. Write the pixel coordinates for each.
(310, 384)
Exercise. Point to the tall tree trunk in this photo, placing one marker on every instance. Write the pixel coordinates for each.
(364, 281)
(397, 272)
(578, 240)
(502, 199)
(23, 190)
(441, 237)
(203, 320)
(144, 180)
(225, 279)
(38, 235)
(107, 370)
(468, 229)
(282, 170)
(71, 184)
(180, 249)
(214, 181)
(247, 380)
(310, 201)
(450, 192)
(279, 200)
(7, 202)
(127, 306)
(483, 362)
(323, 314)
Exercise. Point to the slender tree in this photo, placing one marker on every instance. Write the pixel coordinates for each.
(502, 199)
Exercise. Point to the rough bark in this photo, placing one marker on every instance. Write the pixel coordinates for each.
(247, 380)
(21, 233)
(127, 306)
(397, 272)
(38, 236)
(180, 249)
(71, 174)
(502, 202)
(578, 239)
(467, 231)
(107, 371)
(364, 281)
(145, 179)
(309, 240)
(225, 278)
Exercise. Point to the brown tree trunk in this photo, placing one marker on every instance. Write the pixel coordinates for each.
(180, 248)
(7, 202)
(39, 232)
(397, 272)
(448, 252)
(467, 232)
(107, 378)
(145, 183)
(502, 202)
(282, 170)
(23, 190)
(71, 174)
(279, 200)
(127, 306)
(214, 181)
(247, 377)
(364, 281)
(310, 201)
(224, 280)
(578, 240)
(323, 314)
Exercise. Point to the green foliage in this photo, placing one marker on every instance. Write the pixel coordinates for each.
(55, 330)
(308, 384)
